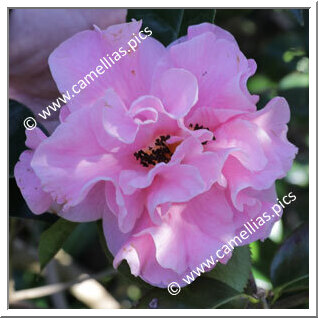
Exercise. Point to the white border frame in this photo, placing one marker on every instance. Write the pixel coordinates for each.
(312, 159)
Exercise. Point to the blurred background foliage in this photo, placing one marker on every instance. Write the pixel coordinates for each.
(269, 274)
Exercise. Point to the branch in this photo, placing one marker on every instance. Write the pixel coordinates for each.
(55, 288)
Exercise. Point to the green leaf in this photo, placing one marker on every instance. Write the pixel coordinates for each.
(236, 272)
(53, 239)
(103, 243)
(202, 293)
(169, 24)
(221, 286)
(294, 80)
(86, 233)
(296, 301)
(290, 266)
(164, 23)
(196, 16)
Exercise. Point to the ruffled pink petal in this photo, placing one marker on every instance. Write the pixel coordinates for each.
(257, 203)
(270, 130)
(115, 238)
(71, 161)
(272, 122)
(116, 120)
(194, 231)
(177, 90)
(220, 68)
(139, 253)
(34, 138)
(178, 183)
(30, 186)
(209, 164)
(127, 208)
(219, 33)
(103, 138)
(240, 136)
(90, 209)
(130, 75)
(130, 180)
(145, 109)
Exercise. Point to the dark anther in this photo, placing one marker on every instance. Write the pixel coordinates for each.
(197, 127)
(154, 155)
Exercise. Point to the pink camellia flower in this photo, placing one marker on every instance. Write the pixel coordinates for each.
(167, 147)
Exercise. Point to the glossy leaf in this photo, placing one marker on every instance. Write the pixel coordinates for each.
(195, 16)
(290, 266)
(164, 23)
(169, 24)
(202, 293)
(52, 240)
(236, 272)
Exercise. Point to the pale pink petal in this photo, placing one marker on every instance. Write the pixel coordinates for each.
(127, 208)
(178, 183)
(219, 33)
(194, 231)
(240, 136)
(116, 119)
(130, 76)
(34, 138)
(177, 90)
(254, 212)
(145, 109)
(140, 255)
(71, 161)
(139, 252)
(90, 209)
(270, 130)
(30, 186)
(220, 68)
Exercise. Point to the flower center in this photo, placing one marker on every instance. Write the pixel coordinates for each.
(159, 152)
